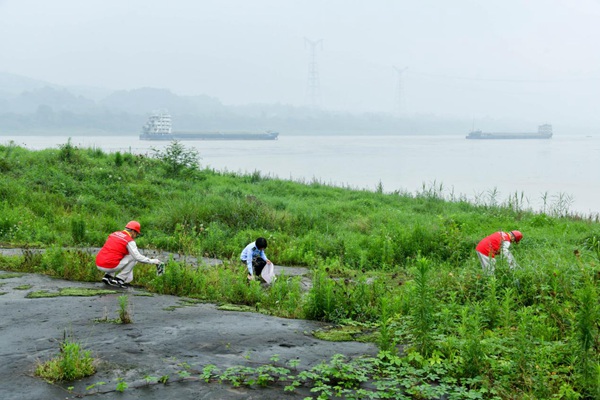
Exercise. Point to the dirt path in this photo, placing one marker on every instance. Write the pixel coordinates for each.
(167, 336)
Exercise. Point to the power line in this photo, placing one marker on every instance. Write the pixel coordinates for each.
(466, 78)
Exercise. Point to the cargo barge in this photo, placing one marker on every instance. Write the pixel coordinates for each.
(544, 132)
(159, 127)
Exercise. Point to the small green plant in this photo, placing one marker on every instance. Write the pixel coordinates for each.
(294, 363)
(72, 363)
(95, 386)
(184, 374)
(121, 385)
(150, 379)
(124, 312)
(209, 372)
(23, 287)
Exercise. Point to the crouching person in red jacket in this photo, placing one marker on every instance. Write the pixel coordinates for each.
(497, 243)
(119, 255)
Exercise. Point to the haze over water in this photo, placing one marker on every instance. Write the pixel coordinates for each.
(564, 169)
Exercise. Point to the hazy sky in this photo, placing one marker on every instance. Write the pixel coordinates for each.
(537, 60)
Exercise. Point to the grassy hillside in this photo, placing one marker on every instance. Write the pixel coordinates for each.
(527, 333)
(46, 194)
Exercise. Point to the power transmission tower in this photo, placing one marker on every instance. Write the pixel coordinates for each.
(313, 89)
(400, 101)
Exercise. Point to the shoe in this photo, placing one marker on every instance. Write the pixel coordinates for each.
(121, 283)
(110, 280)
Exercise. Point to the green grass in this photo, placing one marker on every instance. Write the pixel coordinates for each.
(403, 262)
(81, 292)
(23, 287)
(10, 276)
(72, 363)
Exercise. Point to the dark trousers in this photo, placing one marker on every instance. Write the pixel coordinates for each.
(257, 265)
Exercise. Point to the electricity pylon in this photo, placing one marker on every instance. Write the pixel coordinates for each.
(313, 89)
(399, 97)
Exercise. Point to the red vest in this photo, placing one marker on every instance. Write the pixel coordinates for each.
(490, 246)
(113, 251)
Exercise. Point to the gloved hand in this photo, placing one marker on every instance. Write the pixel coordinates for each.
(155, 261)
(160, 269)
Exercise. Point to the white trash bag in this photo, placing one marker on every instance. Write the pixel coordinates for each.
(268, 273)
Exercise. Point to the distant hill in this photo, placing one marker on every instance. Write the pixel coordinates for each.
(54, 98)
(146, 100)
(13, 85)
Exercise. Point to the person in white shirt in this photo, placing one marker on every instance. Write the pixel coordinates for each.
(255, 259)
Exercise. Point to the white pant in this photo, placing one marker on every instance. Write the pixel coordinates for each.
(125, 269)
(487, 263)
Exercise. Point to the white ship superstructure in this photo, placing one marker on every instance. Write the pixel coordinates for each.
(158, 124)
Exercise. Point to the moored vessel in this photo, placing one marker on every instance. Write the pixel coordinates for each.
(159, 127)
(544, 132)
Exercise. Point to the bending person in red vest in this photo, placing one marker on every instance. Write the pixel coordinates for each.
(494, 244)
(119, 255)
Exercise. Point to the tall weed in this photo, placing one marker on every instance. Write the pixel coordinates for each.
(78, 231)
(586, 325)
(423, 308)
(322, 301)
(473, 352)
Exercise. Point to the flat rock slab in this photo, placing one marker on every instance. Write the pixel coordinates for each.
(167, 336)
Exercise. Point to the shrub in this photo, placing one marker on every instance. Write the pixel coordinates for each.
(118, 159)
(68, 152)
(178, 160)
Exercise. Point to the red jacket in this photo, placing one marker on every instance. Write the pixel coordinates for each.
(113, 251)
(490, 246)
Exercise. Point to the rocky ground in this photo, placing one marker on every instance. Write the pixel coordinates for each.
(168, 337)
